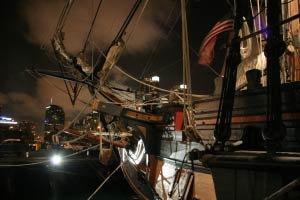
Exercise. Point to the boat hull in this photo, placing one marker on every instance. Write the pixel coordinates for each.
(249, 117)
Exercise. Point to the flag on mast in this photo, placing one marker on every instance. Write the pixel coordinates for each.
(206, 51)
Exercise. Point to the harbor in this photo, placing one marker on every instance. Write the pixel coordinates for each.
(75, 177)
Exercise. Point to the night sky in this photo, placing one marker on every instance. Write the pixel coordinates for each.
(28, 25)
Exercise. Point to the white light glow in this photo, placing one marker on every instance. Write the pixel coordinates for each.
(7, 122)
(137, 156)
(7, 118)
(56, 159)
(155, 78)
(182, 86)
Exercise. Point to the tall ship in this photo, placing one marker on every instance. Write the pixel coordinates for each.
(241, 142)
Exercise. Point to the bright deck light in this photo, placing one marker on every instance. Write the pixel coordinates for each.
(56, 159)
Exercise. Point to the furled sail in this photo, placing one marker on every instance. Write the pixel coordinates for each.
(65, 58)
(112, 58)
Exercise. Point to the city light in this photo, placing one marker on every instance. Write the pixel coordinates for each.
(183, 86)
(155, 78)
(56, 159)
(5, 118)
(8, 122)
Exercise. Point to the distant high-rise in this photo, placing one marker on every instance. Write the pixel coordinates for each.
(54, 119)
(28, 130)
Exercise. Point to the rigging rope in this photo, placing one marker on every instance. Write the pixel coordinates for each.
(154, 87)
(76, 117)
(55, 86)
(69, 86)
(187, 105)
(144, 83)
(92, 25)
(64, 15)
(138, 20)
(100, 186)
(255, 26)
(76, 139)
(48, 160)
(259, 26)
(129, 17)
(156, 45)
(193, 50)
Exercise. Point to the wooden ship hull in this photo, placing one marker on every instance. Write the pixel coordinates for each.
(243, 171)
(247, 171)
(157, 166)
(249, 117)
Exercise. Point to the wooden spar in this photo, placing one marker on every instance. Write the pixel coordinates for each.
(92, 137)
(250, 119)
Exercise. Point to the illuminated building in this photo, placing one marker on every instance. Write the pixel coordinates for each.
(54, 119)
(28, 129)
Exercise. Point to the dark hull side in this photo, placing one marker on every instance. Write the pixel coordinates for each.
(253, 175)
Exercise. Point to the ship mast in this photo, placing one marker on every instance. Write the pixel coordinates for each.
(190, 130)
(275, 47)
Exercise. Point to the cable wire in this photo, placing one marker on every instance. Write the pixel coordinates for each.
(92, 25)
(100, 186)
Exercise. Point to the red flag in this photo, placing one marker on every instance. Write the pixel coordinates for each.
(206, 51)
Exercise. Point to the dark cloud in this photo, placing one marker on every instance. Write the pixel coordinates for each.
(27, 107)
(42, 17)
